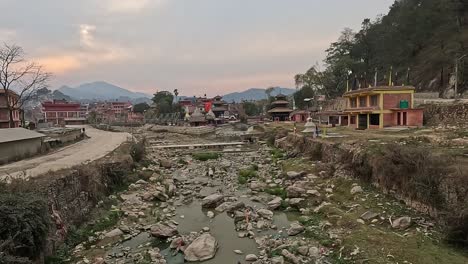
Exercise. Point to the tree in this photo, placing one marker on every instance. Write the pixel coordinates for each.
(252, 108)
(164, 102)
(140, 108)
(19, 76)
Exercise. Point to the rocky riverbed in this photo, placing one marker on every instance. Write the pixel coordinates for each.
(246, 206)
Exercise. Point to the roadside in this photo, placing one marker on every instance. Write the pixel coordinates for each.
(99, 144)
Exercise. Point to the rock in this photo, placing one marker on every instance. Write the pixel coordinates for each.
(277, 260)
(313, 192)
(295, 192)
(202, 248)
(356, 189)
(295, 228)
(293, 175)
(163, 230)
(275, 203)
(265, 213)
(369, 215)
(303, 250)
(260, 224)
(361, 221)
(291, 257)
(238, 252)
(296, 202)
(177, 242)
(230, 206)
(210, 214)
(141, 182)
(165, 163)
(114, 233)
(314, 252)
(251, 257)
(212, 201)
(402, 222)
(257, 186)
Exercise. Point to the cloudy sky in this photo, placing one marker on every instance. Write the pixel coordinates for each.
(196, 46)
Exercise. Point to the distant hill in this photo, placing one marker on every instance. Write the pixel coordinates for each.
(100, 91)
(255, 94)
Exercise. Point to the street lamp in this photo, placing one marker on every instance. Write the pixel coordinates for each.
(456, 73)
(308, 100)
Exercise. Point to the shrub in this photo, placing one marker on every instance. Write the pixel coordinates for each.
(277, 153)
(278, 191)
(24, 225)
(204, 156)
(245, 175)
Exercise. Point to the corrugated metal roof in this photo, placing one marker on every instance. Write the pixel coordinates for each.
(16, 134)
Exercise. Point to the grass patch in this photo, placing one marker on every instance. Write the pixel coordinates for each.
(246, 174)
(277, 154)
(277, 191)
(204, 156)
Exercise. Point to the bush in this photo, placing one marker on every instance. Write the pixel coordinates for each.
(24, 225)
(204, 156)
(245, 175)
(277, 191)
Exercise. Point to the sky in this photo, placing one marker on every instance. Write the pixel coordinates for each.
(195, 46)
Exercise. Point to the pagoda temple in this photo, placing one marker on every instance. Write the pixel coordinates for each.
(280, 108)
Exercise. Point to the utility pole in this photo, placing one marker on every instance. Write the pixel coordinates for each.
(456, 73)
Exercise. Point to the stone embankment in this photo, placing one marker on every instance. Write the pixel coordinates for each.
(454, 114)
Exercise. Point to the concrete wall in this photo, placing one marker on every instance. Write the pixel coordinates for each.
(15, 150)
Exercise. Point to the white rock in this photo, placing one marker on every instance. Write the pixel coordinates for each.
(251, 257)
(356, 189)
(202, 248)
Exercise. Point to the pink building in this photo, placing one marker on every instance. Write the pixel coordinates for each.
(61, 112)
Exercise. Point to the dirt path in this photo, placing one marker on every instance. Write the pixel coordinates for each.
(99, 144)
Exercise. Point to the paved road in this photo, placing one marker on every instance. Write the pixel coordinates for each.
(98, 145)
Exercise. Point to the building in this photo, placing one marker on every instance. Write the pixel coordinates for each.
(382, 106)
(280, 110)
(219, 107)
(4, 110)
(299, 116)
(61, 112)
(19, 143)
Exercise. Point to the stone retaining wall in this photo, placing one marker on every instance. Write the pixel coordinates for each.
(446, 114)
(203, 130)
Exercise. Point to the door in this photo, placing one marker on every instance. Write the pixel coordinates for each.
(405, 118)
(362, 124)
(398, 119)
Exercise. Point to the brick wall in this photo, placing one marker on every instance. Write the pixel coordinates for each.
(389, 120)
(415, 118)
(393, 100)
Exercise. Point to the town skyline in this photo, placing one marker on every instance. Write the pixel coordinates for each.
(146, 46)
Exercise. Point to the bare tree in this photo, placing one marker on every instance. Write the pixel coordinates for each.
(19, 78)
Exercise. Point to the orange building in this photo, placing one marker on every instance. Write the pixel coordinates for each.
(382, 106)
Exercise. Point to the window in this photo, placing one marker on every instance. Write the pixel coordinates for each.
(353, 102)
(374, 119)
(62, 114)
(374, 100)
(362, 101)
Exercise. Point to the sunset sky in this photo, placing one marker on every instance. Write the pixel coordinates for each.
(196, 46)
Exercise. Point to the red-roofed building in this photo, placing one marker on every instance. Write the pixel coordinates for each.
(61, 112)
(5, 113)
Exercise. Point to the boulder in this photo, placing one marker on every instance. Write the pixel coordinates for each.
(296, 202)
(265, 213)
(212, 201)
(251, 257)
(165, 163)
(295, 229)
(314, 252)
(163, 230)
(275, 203)
(230, 206)
(277, 260)
(257, 186)
(295, 192)
(114, 233)
(402, 222)
(356, 189)
(369, 215)
(202, 248)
